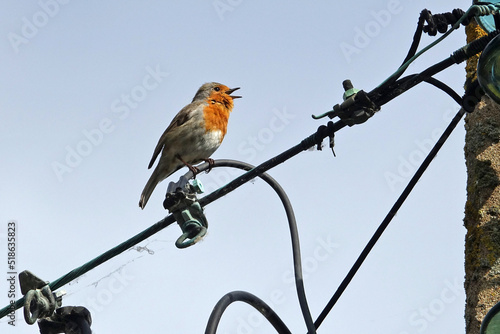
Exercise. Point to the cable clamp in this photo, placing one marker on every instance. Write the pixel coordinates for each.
(182, 202)
(326, 131)
(357, 107)
(39, 300)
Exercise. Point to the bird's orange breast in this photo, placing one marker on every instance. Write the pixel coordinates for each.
(216, 114)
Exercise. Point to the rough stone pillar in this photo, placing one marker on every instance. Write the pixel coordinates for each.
(482, 209)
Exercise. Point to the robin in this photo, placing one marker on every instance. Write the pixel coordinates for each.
(193, 136)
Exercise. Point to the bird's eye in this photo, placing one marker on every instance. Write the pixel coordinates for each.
(217, 89)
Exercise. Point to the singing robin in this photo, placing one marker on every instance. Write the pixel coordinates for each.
(194, 134)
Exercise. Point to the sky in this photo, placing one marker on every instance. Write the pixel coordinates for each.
(87, 88)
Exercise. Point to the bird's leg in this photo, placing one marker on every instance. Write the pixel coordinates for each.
(211, 163)
(192, 168)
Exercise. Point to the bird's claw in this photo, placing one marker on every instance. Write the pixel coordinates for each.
(211, 164)
(195, 170)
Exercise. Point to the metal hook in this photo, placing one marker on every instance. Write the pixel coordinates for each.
(193, 225)
(182, 202)
(39, 303)
(39, 300)
(182, 243)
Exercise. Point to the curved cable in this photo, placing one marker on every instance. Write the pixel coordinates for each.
(297, 263)
(440, 85)
(403, 67)
(382, 97)
(377, 95)
(250, 299)
(305, 144)
(445, 88)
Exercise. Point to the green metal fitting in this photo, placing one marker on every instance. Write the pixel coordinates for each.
(198, 186)
(193, 224)
(350, 92)
(182, 202)
(39, 300)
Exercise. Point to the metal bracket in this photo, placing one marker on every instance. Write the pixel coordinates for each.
(356, 108)
(39, 300)
(41, 303)
(182, 202)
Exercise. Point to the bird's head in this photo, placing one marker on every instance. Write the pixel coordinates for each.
(214, 89)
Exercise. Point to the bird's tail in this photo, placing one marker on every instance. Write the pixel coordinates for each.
(148, 189)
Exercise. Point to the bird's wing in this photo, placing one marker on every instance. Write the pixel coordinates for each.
(181, 118)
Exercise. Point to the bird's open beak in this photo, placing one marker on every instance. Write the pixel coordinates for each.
(228, 92)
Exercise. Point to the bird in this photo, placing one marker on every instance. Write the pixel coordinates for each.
(194, 134)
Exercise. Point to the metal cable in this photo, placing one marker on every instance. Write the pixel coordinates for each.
(380, 95)
(250, 299)
(297, 263)
(392, 212)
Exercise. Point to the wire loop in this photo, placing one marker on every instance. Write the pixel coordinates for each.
(38, 303)
(441, 22)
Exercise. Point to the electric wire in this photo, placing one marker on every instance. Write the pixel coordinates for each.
(250, 299)
(380, 96)
(435, 23)
(413, 48)
(402, 85)
(305, 144)
(445, 88)
(438, 22)
(297, 263)
(392, 212)
(77, 272)
(440, 85)
(405, 65)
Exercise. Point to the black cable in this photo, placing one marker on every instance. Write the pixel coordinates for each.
(496, 19)
(440, 85)
(382, 95)
(445, 88)
(435, 23)
(250, 299)
(416, 37)
(305, 144)
(440, 22)
(297, 263)
(472, 96)
(378, 96)
(392, 212)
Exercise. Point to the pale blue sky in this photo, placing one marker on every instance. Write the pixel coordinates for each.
(104, 79)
